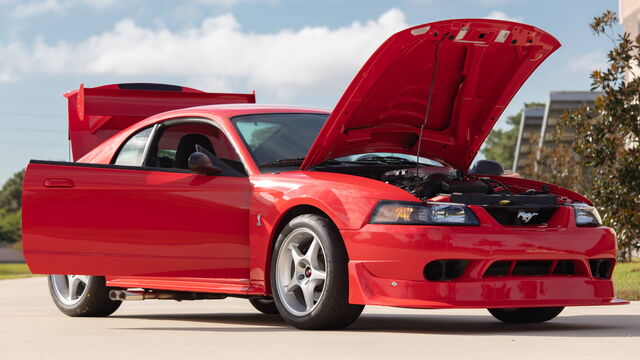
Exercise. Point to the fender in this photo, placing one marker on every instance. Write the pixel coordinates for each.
(274, 196)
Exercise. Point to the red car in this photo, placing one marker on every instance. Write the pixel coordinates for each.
(180, 194)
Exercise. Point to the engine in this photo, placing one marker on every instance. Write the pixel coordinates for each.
(426, 184)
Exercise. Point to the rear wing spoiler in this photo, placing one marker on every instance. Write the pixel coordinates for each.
(96, 114)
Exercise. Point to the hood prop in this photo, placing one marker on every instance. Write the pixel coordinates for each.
(426, 116)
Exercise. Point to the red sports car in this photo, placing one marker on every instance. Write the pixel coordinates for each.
(179, 194)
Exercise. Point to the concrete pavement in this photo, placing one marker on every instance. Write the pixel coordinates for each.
(32, 328)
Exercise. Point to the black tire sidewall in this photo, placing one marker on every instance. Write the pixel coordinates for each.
(269, 308)
(94, 302)
(333, 310)
(526, 315)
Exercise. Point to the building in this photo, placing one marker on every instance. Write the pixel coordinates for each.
(629, 12)
(559, 102)
(530, 125)
(537, 124)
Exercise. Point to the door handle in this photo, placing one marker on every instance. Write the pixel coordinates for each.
(58, 183)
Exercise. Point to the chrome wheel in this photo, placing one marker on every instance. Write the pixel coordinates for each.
(301, 272)
(69, 289)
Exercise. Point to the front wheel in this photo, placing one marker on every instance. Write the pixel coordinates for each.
(309, 276)
(82, 295)
(526, 315)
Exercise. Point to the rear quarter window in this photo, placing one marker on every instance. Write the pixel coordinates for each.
(132, 152)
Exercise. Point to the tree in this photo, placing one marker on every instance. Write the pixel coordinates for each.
(501, 144)
(10, 226)
(11, 193)
(607, 137)
(558, 165)
(10, 209)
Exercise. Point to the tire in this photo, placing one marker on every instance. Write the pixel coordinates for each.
(91, 299)
(309, 276)
(264, 305)
(526, 315)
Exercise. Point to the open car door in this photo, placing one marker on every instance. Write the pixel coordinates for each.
(103, 219)
(120, 220)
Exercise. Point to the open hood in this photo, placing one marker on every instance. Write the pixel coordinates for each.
(475, 67)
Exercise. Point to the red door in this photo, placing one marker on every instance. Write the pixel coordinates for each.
(117, 220)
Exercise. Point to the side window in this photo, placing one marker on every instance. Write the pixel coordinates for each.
(132, 153)
(176, 143)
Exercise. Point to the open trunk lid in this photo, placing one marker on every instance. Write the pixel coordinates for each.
(479, 66)
(96, 114)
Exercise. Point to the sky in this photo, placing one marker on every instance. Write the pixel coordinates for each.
(295, 52)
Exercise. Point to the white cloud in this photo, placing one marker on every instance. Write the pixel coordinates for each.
(218, 53)
(38, 7)
(493, 2)
(501, 15)
(230, 3)
(588, 62)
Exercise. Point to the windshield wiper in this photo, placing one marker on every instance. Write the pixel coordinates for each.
(282, 162)
(387, 160)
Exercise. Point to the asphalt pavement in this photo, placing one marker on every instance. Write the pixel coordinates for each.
(32, 328)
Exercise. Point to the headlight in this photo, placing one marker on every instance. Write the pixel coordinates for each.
(586, 215)
(413, 213)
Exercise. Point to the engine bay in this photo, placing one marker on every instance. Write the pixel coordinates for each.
(465, 189)
(517, 205)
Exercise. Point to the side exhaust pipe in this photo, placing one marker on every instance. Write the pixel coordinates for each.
(138, 295)
(122, 295)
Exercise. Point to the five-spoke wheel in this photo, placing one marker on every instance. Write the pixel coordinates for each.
(300, 271)
(69, 289)
(309, 276)
(81, 295)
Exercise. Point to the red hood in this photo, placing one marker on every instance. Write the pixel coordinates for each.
(481, 64)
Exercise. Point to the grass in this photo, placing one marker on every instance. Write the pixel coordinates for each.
(12, 271)
(626, 277)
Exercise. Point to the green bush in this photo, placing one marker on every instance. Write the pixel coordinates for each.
(10, 226)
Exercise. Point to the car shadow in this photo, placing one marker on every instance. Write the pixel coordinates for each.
(565, 326)
(568, 326)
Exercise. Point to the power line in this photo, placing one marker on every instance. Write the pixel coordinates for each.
(31, 144)
(2, 128)
(31, 115)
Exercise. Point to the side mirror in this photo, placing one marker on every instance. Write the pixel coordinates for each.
(201, 164)
(487, 167)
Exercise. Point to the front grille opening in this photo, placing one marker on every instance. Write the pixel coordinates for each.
(445, 270)
(531, 268)
(521, 216)
(498, 268)
(564, 267)
(601, 268)
(502, 268)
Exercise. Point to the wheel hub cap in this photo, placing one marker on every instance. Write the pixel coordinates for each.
(69, 289)
(300, 272)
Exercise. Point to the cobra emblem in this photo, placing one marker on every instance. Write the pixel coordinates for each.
(526, 216)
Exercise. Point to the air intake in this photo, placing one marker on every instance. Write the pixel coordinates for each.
(445, 270)
(601, 268)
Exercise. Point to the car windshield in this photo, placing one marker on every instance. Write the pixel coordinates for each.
(284, 139)
(388, 158)
(279, 138)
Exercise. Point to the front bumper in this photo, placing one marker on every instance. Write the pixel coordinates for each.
(387, 262)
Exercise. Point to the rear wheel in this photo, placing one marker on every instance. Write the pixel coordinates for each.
(526, 315)
(309, 276)
(81, 295)
(264, 305)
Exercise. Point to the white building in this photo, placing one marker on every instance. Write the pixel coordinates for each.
(629, 13)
